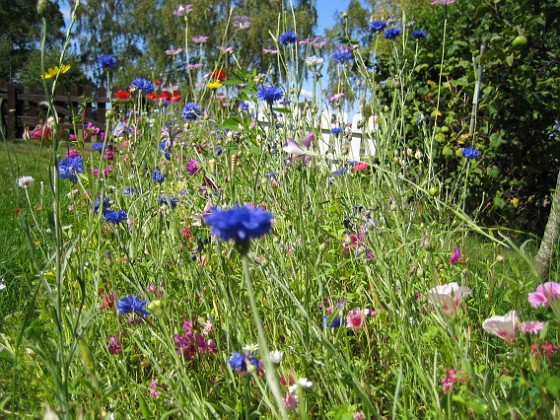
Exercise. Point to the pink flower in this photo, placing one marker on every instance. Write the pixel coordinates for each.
(356, 318)
(448, 297)
(545, 292)
(193, 66)
(183, 9)
(336, 97)
(450, 379)
(113, 346)
(503, 326)
(71, 153)
(531, 327)
(200, 39)
(272, 52)
(225, 50)
(241, 22)
(191, 166)
(40, 132)
(548, 349)
(456, 257)
(290, 401)
(174, 51)
(153, 388)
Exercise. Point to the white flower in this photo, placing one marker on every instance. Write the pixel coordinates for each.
(314, 61)
(448, 297)
(304, 383)
(503, 326)
(251, 348)
(2, 285)
(276, 356)
(25, 181)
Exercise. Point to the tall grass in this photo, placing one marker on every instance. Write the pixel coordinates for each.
(372, 241)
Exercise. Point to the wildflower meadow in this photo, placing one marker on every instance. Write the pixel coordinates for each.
(219, 249)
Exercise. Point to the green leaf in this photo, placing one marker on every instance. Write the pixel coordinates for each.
(553, 385)
(477, 406)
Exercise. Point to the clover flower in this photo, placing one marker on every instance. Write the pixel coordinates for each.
(143, 85)
(269, 94)
(114, 217)
(418, 34)
(132, 304)
(69, 167)
(191, 111)
(470, 153)
(240, 224)
(342, 56)
(106, 62)
(377, 25)
(392, 33)
(287, 38)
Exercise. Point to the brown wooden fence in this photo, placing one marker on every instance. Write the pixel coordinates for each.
(25, 107)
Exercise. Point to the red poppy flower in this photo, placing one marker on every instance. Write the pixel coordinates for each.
(360, 167)
(176, 97)
(165, 96)
(153, 96)
(157, 82)
(122, 95)
(219, 75)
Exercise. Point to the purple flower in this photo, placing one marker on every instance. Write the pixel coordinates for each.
(143, 85)
(241, 22)
(168, 201)
(132, 304)
(191, 111)
(286, 38)
(269, 94)
(114, 346)
(377, 25)
(106, 62)
(191, 166)
(182, 9)
(239, 362)
(342, 56)
(392, 33)
(158, 176)
(114, 216)
(106, 205)
(456, 256)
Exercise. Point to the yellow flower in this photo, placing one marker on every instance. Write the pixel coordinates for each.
(53, 71)
(214, 85)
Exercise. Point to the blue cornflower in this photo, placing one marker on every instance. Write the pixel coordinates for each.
(121, 129)
(340, 171)
(158, 176)
(69, 167)
(342, 56)
(168, 201)
(271, 175)
(269, 94)
(238, 362)
(470, 153)
(239, 223)
(114, 216)
(144, 85)
(288, 37)
(392, 33)
(127, 191)
(132, 304)
(336, 131)
(418, 34)
(191, 111)
(97, 147)
(106, 62)
(218, 150)
(243, 106)
(106, 204)
(334, 323)
(377, 25)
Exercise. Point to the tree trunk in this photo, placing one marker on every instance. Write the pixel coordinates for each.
(550, 235)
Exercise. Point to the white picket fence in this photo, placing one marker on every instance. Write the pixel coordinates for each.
(355, 142)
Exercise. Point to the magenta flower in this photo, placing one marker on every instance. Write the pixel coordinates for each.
(531, 327)
(356, 318)
(544, 294)
(503, 326)
(456, 256)
(114, 346)
(450, 379)
(191, 166)
(448, 297)
(290, 401)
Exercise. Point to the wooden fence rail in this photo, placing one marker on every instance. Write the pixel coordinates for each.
(25, 107)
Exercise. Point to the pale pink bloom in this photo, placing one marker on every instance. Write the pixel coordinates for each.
(356, 318)
(293, 148)
(290, 401)
(225, 50)
(173, 51)
(307, 140)
(435, 2)
(448, 297)
(358, 415)
(531, 327)
(201, 39)
(241, 22)
(336, 97)
(193, 66)
(153, 389)
(544, 294)
(183, 9)
(107, 171)
(503, 326)
(449, 379)
(272, 52)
